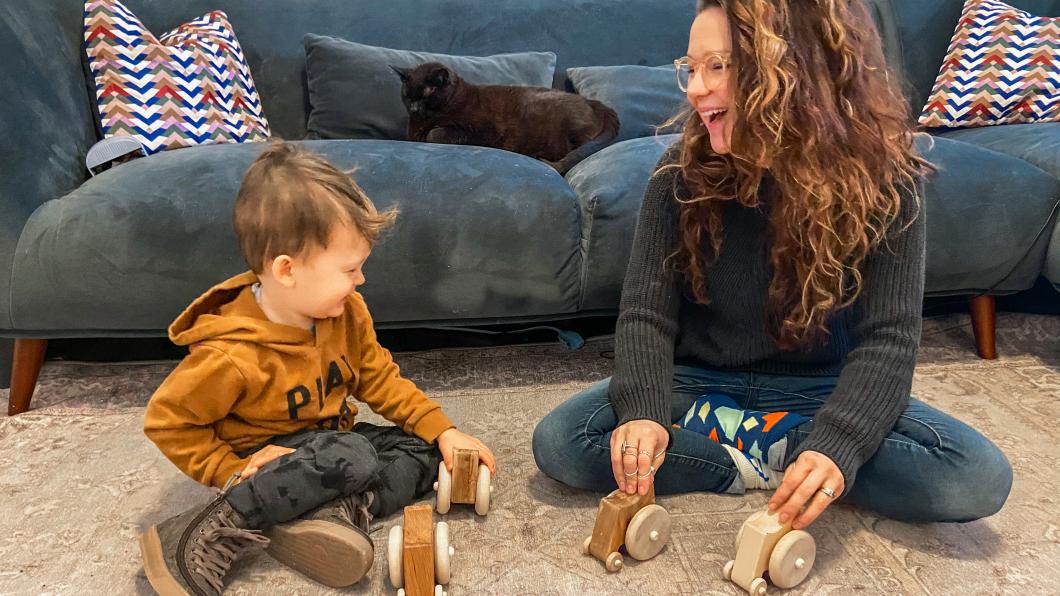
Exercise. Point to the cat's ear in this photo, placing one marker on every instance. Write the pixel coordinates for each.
(401, 72)
(439, 77)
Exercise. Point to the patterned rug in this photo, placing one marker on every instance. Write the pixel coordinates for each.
(79, 481)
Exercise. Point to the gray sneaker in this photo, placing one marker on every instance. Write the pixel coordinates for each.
(190, 554)
(329, 544)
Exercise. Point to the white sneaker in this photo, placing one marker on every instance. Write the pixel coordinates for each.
(753, 472)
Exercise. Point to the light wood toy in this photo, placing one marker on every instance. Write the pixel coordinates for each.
(631, 520)
(418, 555)
(468, 484)
(764, 544)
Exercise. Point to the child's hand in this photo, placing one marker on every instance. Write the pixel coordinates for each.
(262, 457)
(454, 439)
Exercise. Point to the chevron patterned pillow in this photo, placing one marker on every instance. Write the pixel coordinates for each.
(192, 86)
(1002, 67)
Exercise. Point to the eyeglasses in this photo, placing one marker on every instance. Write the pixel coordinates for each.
(714, 68)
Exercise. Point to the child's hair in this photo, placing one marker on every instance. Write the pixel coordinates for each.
(291, 199)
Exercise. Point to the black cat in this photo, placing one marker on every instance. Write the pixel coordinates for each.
(554, 126)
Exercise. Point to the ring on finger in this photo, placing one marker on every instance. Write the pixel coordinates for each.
(651, 472)
(630, 474)
(829, 492)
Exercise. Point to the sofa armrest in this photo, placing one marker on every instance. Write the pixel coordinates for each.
(46, 123)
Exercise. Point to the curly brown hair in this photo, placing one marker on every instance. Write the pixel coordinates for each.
(820, 113)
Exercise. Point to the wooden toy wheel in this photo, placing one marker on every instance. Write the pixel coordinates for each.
(758, 587)
(483, 490)
(585, 546)
(648, 532)
(791, 559)
(393, 556)
(614, 562)
(444, 486)
(726, 570)
(442, 551)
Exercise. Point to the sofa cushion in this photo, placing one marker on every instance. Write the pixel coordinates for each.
(190, 86)
(1038, 143)
(983, 210)
(1000, 69)
(610, 186)
(354, 94)
(482, 234)
(644, 97)
(980, 218)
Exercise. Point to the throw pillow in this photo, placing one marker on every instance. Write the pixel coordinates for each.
(1002, 67)
(354, 94)
(645, 97)
(192, 86)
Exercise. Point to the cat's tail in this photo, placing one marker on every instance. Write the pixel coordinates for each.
(608, 134)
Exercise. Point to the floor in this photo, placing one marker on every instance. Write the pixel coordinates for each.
(79, 482)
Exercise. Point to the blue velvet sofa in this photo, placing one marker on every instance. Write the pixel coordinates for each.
(485, 236)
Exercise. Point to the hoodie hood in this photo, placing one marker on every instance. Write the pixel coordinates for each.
(229, 311)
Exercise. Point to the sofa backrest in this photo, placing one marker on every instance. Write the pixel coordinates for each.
(580, 32)
(924, 29)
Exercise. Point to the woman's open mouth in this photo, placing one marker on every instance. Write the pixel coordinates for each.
(713, 116)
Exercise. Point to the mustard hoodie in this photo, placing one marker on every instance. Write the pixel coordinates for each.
(247, 379)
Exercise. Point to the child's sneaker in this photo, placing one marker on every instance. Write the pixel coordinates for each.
(191, 553)
(753, 473)
(329, 544)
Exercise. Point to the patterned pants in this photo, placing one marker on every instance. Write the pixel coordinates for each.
(325, 465)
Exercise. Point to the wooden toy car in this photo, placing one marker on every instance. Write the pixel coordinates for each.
(418, 555)
(468, 484)
(764, 544)
(631, 520)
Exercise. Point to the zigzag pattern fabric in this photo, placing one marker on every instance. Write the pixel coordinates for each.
(190, 87)
(753, 432)
(1002, 67)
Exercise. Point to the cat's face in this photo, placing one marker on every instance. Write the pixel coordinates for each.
(426, 89)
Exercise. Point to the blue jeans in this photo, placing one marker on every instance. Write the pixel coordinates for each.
(931, 467)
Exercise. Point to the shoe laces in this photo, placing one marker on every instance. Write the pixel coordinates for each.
(354, 509)
(219, 544)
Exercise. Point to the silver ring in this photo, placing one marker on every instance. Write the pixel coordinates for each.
(644, 452)
(630, 475)
(658, 455)
(651, 472)
(827, 491)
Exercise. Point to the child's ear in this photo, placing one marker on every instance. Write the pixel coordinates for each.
(282, 270)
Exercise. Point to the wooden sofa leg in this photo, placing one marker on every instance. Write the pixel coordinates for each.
(29, 356)
(983, 319)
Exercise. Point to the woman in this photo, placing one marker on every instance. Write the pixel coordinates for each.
(774, 291)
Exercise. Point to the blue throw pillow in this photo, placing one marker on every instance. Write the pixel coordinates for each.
(353, 93)
(644, 96)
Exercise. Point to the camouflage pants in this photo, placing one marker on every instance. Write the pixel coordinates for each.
(325, 465)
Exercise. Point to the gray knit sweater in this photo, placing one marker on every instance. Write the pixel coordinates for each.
(872, 347)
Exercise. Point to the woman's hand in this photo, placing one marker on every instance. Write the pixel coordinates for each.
(638, 449)
(802, 486)
(454, 439)
(262, 457)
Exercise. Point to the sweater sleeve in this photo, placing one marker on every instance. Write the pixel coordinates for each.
(387, 393)
(874, 385)
(648, 312)
(181, 414)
